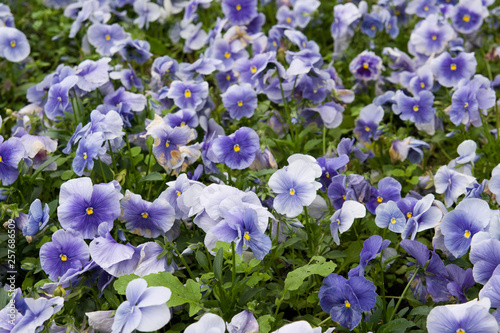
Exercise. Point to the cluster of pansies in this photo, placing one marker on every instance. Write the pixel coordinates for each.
(211, 166)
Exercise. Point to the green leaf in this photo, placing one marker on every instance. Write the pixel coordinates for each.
(218, 261)
(312, 144)
(202, 259)
(398, 173)
(135, 151)
(122, 282)
(396, 325)
(44, 165)
(295, 278)
(265, 323)
(421, 311)
(153, 176)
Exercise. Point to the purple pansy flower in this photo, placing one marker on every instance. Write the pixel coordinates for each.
(468, 15)
(461, 224)
(92, 74)
(188, 95)
(431, 36)
(148, 219)
(144, 310)
(89, 148)
(67, 250)
(11, 153)
(243, 322)
(58, 100)
(473, 316)
(237, 150)
(38, 218)
(408, 148)
(239, 12)
(388, 189)
(449, 71)
(388, 215)
(104, 37)
(182, 118)
(344, 15)
(14, 45)
(342, 219)
(37, 312)
(346, 300)
(367, 124)
(241, 227)
(371, 248)
(240, 101)
(147, 11)
(422, 8)
(422, 216)
(452, 183)
(83, 206)
(417, 109)
(485, 256)
(367, 66)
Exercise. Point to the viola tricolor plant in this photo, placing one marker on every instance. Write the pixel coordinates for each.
(250, 166)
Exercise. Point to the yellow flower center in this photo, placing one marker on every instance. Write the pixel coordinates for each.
(426, 8)
(238, 7)
(108, 37)
(343, 197)
(247, 236)
(288, 19)
(409, 214)
(84, 156)
(466, 18)
(397, 12)
(292, 191)
(315, 91)
(240, 103)
(144, 215)
(0, 158)
(167, 144)
(187, 93)
(434, 37)
(303, 44)
(227, 55)
(253, 69)
(453, 67)
(63, 257)
(347, 304)
(393, 220)
(183, 124)
(365, 65)
(338, 221)
(178, 193)
(467, 234)
(59, 98)
(236, 148)
(466, 105)
(380, 199)
(90, 210)
(460, 330)
(415, 108)
(389, 26)
(274, 44)
(13, 43)
(367, 129)
(373, 27)
(228, 77)
(422, 85)
(327, 175)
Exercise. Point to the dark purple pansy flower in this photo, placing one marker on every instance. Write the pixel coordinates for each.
(337, 191)
(133, 49)
(330, 168)
(240, 101)
(148, 219)
(423, 216)
(432, 280)
(367, 124)
(371, 248)
(461, 224)
(367, 66)
(388, 189)
(346, 300)
(449, 71)
(239, 12)
(467, 17)
(104, 37)
(188, 95)
(237, 150)
(228, 53)
(14, 45)
(460, 281)
(182, 118)
(67, 250)
(346, 146)
(83, 206)
(128, 78)
(241, 227)
(249, 70)
(417, 109)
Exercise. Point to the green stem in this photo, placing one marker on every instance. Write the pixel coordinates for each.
(234, 265)
(403, 295)
(185, 263)
(324, 140)
(324, 321)
(384, 304)
(112, 157)
(102, 170)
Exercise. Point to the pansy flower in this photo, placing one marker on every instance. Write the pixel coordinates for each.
(468, 15)
(11, 153)
(14, 45)
(418, 109)
(367, 124)
(38, 218)
(452, 183)
(104, 37)
(342, 219)
(367, 66)
(188, 95)
(239, 12)
(148, 219)
(430, 36)
(67, 250)
(449, 71)
(240, 101)
(237, 150)
(83, 206)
